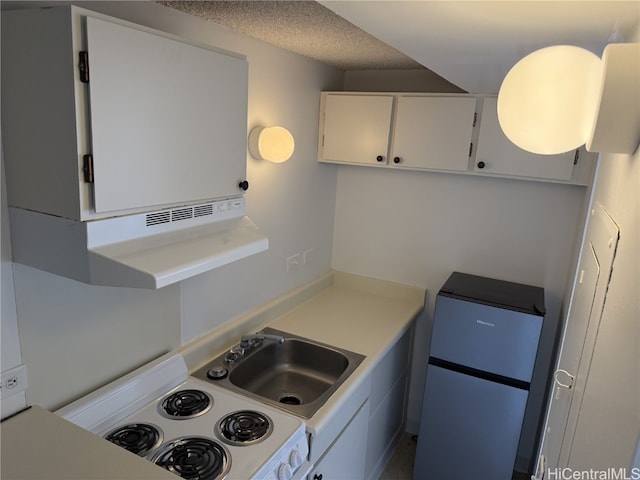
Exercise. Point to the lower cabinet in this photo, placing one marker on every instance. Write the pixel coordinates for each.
(345, 458)
(361, 449)
(388, 405)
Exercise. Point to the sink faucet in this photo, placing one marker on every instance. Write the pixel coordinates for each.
(247, 340)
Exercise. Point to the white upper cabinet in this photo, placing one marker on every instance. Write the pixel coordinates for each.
(356, 129)
(159, 122)
(497, 155)
(433, 132)
(454, 133)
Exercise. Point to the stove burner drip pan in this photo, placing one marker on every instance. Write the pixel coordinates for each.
(244, 427)
(194, 458)
(185, 404)
(138, 438)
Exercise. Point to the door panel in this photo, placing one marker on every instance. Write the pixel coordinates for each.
(469, 426)
(580, 336)
(356, 128)
(168, 119)
(434, 132)
(571, 353)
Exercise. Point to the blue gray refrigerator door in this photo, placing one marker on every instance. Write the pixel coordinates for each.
(470, 427)
(487, 338)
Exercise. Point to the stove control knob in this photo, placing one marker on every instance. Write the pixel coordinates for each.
(295, 459)
(285, 472)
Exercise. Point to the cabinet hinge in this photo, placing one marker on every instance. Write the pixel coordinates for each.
(576, 157)
(475, 118)
(83, 66)
(470, 148)
(87, 167)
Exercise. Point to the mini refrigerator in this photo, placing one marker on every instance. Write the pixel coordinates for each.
(483, 350)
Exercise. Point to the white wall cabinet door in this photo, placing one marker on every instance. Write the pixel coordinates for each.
(168, 119)
(433, 133)
(497, 155)
(356, 129)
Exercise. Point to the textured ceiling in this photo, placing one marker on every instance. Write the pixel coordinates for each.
(304, 27)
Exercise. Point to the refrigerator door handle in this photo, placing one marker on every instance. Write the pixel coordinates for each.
(556, 379)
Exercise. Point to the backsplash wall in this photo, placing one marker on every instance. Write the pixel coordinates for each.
(418, 227)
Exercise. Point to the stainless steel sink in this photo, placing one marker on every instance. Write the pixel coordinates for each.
(298, 375)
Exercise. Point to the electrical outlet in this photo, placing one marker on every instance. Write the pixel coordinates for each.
(293, 262)
(13, 381)
(307, 256)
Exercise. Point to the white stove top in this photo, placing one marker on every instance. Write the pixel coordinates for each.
(135, 399)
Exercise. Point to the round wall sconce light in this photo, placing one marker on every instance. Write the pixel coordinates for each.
(275, 144)
(559, 98)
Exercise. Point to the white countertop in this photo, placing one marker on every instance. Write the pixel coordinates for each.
(360, 314)
(39, 445)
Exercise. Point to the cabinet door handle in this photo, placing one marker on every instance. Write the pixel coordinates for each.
(559, 383)
(481, 165)
(380, 158)
(243, 185)
(317, 477)
(396, 160)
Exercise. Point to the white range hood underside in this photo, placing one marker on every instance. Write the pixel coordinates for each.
(149, 250)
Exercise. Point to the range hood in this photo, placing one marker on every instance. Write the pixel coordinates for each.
(149, 250)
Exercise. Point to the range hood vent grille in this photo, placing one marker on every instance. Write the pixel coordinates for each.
(203, 210)
(177, 214)
(158, 218)
(181, 214)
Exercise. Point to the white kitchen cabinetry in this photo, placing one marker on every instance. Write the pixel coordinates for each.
(356, 128)
(433, 132)
(346, 456)
(387, 405)
(497, 155)
(159, 122)
(375, 417)
(452, 133)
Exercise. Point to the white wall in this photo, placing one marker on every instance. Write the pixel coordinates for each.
(422, 80)
(416, 228)
(76, 337)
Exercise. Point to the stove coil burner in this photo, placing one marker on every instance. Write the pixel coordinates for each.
(244, 427)
(185, 404)
(138, 438)
(194, 458)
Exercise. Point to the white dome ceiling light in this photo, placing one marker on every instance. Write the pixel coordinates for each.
(559, 98)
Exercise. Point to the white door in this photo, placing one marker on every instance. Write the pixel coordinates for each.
(433, 133)
(579, 337)
(168, 119)
(572, 346)
(356, 129)
(497, 155)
